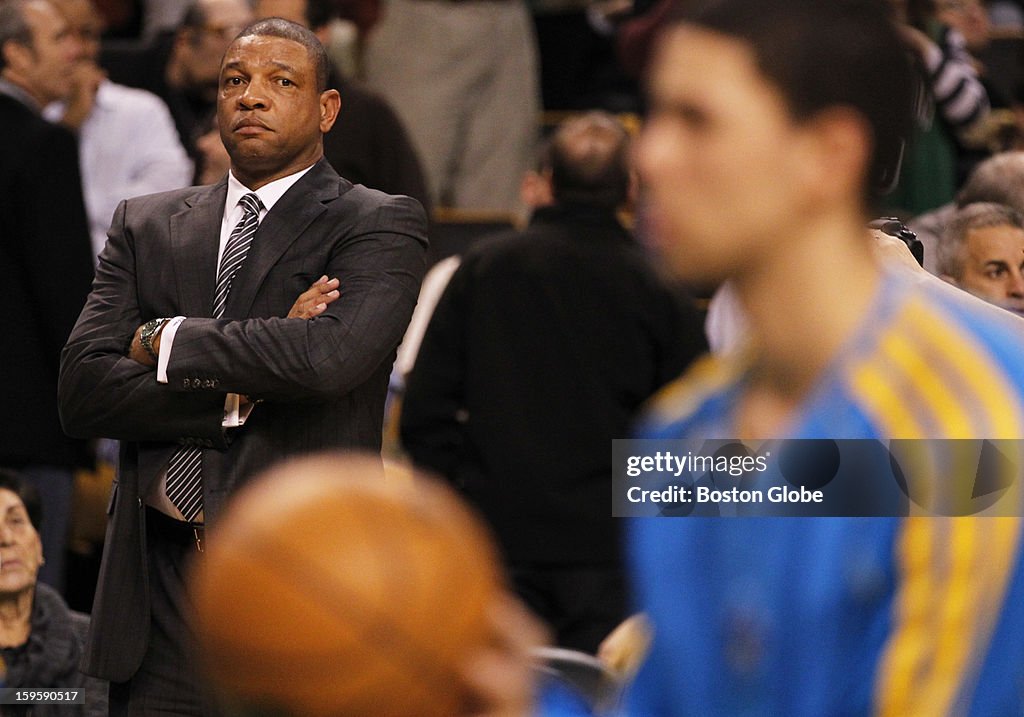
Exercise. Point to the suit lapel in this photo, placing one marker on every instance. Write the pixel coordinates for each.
(295, 211)
(195, 240)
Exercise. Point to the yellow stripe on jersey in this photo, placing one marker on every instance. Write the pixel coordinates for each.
(987, 386)
(928, 379)
(681, 398)
(936, 366)
(954, 573)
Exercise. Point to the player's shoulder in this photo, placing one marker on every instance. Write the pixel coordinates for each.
(941, 363)
(697, 393)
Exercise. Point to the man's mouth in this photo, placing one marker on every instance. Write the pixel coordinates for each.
(250, 126)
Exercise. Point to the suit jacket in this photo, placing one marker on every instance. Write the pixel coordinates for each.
(322, 382)
(45, 271)
(539, 353)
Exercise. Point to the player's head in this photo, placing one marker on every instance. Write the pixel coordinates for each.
(765, 112)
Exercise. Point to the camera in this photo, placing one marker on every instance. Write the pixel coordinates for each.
(895, 228)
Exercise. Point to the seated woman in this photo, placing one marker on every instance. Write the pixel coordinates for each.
(40, 637)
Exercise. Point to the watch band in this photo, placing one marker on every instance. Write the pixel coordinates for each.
(149, 331)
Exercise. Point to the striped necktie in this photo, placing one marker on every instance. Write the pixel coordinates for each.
(184, 471)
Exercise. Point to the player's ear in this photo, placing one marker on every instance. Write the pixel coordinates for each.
(837, 153)
(330, 107)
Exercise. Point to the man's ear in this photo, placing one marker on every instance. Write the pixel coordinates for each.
(330, 107)
(839, 152)
(16, 55)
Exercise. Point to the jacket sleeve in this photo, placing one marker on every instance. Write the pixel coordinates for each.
(102, 392)
(380, 264)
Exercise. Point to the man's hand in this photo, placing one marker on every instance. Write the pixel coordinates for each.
(140, 355)
(894, 253)
(313, 302)
(502, 677)
(85, 82)
(627, 645)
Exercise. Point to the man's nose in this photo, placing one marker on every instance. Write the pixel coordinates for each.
(76, 48)
(1016, 286)
(254, 96)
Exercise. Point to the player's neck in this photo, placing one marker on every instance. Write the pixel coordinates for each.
(805, 300)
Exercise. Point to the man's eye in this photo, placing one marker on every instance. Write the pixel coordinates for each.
(234, 81)
(286, 82)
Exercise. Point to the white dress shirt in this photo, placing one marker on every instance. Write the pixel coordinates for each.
(127, 146)
(234, 416)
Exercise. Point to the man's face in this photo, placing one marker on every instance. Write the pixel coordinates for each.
(85, 25)
(202, 48)
(719, 157)
(21, 551)
(294, 10)
(272, 116)
(44, 67)
(993, 266)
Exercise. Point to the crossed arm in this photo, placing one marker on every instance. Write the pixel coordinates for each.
(312, 352)
(310, 304)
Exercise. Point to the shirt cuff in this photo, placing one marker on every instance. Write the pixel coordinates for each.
(235, 412)
(166, 344)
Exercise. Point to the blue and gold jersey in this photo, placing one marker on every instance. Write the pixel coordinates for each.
(846, 616)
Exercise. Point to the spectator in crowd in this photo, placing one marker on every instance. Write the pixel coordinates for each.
(183, 67)
(41, 640)
(368, 144)
(463, 77)
(539, 353)
(45, 264)
(953, 105)
(999, 179)
(244, 373)
(982, 252)
(214, 161)
(127, 142)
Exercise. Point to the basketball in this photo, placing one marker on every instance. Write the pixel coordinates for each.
(327, 589)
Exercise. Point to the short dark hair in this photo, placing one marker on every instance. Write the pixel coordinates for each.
(13, 26)
(949, 253)
(288, 30)
(822, 54)
(26, 492)
(588, 157)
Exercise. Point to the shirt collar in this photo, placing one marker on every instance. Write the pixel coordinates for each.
(12, 90)
(269, 193)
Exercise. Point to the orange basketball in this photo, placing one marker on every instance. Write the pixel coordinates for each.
(327, 590)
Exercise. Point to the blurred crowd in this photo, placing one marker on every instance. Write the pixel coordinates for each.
(510, 121)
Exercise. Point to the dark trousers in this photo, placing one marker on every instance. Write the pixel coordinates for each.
(580, 604)
(167, 682)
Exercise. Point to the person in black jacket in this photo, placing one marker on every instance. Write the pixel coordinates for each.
(45, 256)
(539, 353)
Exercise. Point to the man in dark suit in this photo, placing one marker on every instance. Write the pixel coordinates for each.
(230, 395)
(45, 257)
(539, 353)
